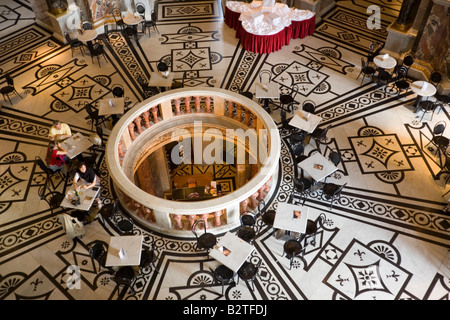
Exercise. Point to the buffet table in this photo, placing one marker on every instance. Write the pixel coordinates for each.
(263, 29)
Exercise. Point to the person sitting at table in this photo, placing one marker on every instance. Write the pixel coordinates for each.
(59, 131)
(56, 157)
(86, 175)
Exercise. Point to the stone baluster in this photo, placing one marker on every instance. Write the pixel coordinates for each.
(198, 107)
(177, 107)
(121, 152)
(146, 116)
(154, 111)
(187, 103)
(261, 194)
(191, 218)
(230, 109)
(217, 220)
(178, 223)
(254, 200)
(208, 104)
(138, 121)
(244, 204)
(247, 117)
(131, 131)
(205, 218)
(239, 113)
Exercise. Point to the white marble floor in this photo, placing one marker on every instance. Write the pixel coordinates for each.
(386, 238)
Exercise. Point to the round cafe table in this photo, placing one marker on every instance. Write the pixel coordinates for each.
(131, 19)
(389, 63)
(417, 88)
(87, 35)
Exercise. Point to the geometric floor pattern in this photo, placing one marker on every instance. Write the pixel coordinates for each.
(386, 238)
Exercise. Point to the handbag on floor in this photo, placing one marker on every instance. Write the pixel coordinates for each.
(71, 226)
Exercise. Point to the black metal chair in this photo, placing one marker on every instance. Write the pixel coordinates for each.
(427, 106)
(332, 191)
(147, 90)
(117, 14)
(49, 172)
(319, 135)
(118, 91)
(93, 115)
(96, 51)
(131, 32)
(267, 216)
(149, 257)
(74, 44)
(147, 25)
(109, 210)
(384, 77)
(438, 140)
(9, 88)
(247, 231)
(309, 106)
(336, 158)
(291, 249)
(287, 101)
(435, 78)
(248, 272)
(98, 250)
(53, 198)
(366, 71)
(312, 227)
(400, 82)
(302, 186)
(224, 275)
(206, 240)
(125, 277)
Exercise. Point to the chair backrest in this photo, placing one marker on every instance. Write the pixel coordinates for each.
(439, 128)
(435, 77)
(9, 80)
(309, 106)
(118, 91)
(408, 61)
(106, 28)
(68, 38)
(162, 66)
(265, 76)
(154, 16)
(294, 91)
(140, 8)
(248, 218)
(200, 223)
(86, 25)
(402, 72)
(335, 157)
(90, 47)
(363, 63)
(299, 185)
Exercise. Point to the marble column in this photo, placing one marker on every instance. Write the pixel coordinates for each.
(407, 14)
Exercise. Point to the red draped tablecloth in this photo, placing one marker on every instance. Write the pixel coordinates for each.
(269, 43)
(303, 28)
(231, 18)
(261, 44)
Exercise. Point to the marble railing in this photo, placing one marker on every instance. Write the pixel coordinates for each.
(154, 122)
